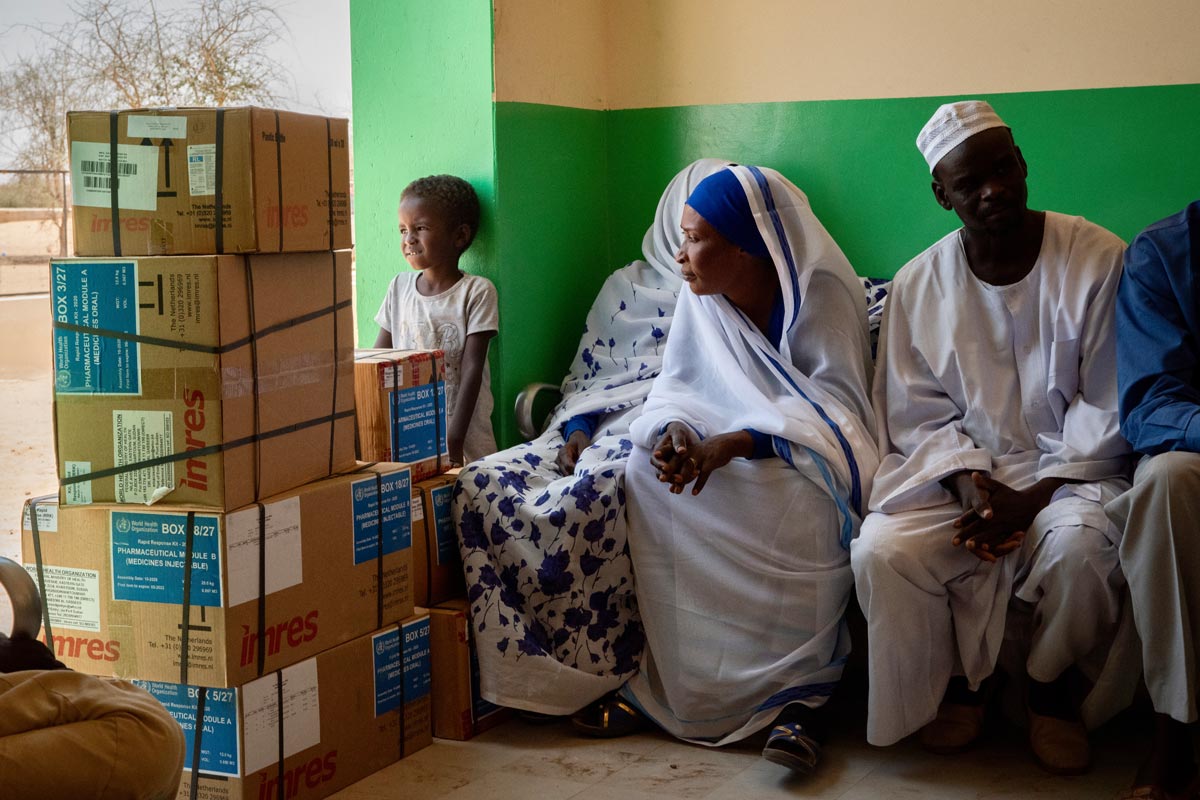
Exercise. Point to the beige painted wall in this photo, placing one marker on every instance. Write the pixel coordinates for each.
(552, 51)
(650, 53)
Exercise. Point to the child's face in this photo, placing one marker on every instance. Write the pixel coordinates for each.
(427, 237)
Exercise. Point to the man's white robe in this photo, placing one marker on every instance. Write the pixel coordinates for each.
(1019, 382)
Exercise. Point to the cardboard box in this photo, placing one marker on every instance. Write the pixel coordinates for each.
(156, 364)
(401, 399)
(437, 562)
(458, 710)
(348, 712)
(281, 179)
(114, 579)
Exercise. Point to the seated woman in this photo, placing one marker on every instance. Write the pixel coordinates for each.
(542, 525)
(763, 402)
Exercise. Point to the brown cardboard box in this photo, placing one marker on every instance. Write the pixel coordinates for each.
(348, 712)
(282, 180)
(173, 376)
(458, 710)
(401, 415)
(113, 579)
(437, 563)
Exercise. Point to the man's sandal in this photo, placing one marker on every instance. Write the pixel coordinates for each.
(608, 718)
(790, 746)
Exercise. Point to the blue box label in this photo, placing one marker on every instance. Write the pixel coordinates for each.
(443, 526)
(399, 682)
(96, 295)
(148, 556)
(397, 514)
(219, 749)
(417, 424)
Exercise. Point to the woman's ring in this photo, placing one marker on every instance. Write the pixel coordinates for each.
(692, 461)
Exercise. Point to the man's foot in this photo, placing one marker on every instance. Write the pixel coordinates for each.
(959, 720)
(1059, 745)
(1170, 771)
(1056, 733)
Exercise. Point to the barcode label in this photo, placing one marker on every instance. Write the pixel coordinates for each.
(94, 165)
(104, 167)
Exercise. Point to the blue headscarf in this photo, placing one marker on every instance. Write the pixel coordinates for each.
(721, 200)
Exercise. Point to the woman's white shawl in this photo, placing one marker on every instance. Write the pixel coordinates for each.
(720, 373)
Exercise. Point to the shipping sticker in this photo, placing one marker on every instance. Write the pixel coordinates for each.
(202, 169)
(153, 126)
(443, 526)
(47, 518)
(137, 175)
(397, 524)
(77, 494)
(284, 557)
(219, 734)
(72, 595)
(417, 510)
(101, 295)
(415, 422)
(399, 682)
(148, 552)
(301, 715)
(141, 436)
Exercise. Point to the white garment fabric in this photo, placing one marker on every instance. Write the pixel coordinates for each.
(545, 557)
(1018, 381)
(1160, 554)
(742, 588)
(443, 322)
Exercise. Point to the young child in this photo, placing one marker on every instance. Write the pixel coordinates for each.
(441, 307)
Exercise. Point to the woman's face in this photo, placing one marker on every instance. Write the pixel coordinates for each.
(710, 263)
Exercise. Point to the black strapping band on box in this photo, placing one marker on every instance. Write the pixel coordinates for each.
(203, 348)
(219, 188)
(262, 587)
(394, 413)
(279, 176)
(430, 520)
(279, 792)
(186, 625)
(403, 691)
(336, 365)
(197, 752)
(249, 264)
(203, 451)
(33, 503)
(437, 418)
(114, 181)
(329, 166)
(379, 553)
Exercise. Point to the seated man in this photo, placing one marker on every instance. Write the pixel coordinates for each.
(1158, 373)
(65, 736)
(996, 403)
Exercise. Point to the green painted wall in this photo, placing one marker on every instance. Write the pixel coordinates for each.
(1123, 158)
(553, 183)
(422, 93)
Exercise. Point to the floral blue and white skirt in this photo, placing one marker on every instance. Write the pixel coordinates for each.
(548, 574)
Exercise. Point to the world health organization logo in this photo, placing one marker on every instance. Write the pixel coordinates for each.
(359, 493)
(122, 525)
(379, 648)
(63, 377)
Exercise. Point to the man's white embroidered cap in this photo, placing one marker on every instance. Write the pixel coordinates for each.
(953, 124)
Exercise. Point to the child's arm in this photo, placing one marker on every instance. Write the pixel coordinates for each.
(470, 375)
(384, 339)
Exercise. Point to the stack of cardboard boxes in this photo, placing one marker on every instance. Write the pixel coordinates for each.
(401, 416)
(214, 538)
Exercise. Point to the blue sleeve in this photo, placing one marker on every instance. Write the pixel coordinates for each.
(763, 448)
(1157, 358)
(581, 422)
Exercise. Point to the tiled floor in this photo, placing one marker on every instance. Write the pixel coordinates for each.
(518, 760)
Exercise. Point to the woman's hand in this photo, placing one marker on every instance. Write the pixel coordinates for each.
(681, 457)
(568, 455)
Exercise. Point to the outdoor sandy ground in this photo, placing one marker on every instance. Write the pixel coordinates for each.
(26, 429)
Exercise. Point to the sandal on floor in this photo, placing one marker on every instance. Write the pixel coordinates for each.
(608, 718)
(1155, 791)
(790, 746)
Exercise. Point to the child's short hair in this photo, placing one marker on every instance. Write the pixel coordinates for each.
(452, 195)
